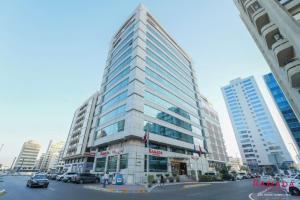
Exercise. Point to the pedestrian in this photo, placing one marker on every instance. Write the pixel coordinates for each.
(106, 176)
(162, 181)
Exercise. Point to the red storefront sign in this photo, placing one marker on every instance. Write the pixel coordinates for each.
(155, 152)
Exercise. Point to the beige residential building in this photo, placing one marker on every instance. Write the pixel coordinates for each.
(27, 157)
(214, 143)
(275, 27)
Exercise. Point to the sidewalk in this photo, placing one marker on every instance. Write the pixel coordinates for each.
(118, 188)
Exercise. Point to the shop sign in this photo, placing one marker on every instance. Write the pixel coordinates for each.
(155, 152)
(111, 152)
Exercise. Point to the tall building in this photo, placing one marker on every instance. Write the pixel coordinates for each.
(77, 156)
(39, 161)
(149, 85)
(217, 156)
(260, 143)
(285, 109)
(50, 158)
(275, 27)
(27, 157)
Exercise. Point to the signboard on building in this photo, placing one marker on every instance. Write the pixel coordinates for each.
(117, 151)
(155, 152)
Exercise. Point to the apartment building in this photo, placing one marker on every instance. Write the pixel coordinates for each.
(149, 86)
(77, 156)
(50, 158)
(217, 155)
(260, 143)
(275, 27)
(27, 156)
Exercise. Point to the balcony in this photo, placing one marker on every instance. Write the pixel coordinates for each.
(293, 72)
(260, 18)
(268, 32)
(248, 3)
(283, 51)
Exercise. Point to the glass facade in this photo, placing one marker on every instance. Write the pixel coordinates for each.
(100, 164)
(111, 129)
(283, 106)
(167, 132)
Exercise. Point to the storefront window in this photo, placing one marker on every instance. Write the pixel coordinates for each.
(158, 164)
(112, 163)
(123, 161)
(158, 146)
(100, 164)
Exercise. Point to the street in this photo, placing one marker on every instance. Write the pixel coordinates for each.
(16, 189)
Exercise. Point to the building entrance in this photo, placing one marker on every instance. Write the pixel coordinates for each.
(179, 168)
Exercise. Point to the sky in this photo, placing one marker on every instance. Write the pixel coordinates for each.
(53, 53)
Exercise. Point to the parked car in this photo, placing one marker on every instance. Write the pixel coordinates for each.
(59, 177)
(67, 177)
(85, 178)
(267, 179)
(241, 176)
(293, 189)
(38, 180)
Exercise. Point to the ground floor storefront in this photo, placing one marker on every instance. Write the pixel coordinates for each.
(135, 162)
(79, 165)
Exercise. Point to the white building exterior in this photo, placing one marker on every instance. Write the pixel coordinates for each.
(217, 155)
(275, 27)
(259, 141)
(50, 158)
(28, 156)
(149, 84)
(76, 155)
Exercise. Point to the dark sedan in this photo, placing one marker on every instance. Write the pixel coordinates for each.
(85, 178)
(38, 180)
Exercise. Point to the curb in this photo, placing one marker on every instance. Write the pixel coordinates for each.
(170, 184)
(111, 190)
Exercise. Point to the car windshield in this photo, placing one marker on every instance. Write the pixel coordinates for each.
(39, 177)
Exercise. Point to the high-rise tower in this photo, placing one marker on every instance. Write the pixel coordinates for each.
(149, 85)
(259, 141)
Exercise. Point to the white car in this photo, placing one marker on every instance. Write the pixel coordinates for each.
(291, 184)
(67, 177)
(267, 179)
(241, 176)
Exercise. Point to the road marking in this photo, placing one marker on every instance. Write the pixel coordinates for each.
(194, 185)
(52, 189)
(250, 196)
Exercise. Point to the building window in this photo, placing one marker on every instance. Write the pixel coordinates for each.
(167, 132)
(111, 129)
(158, 164)
(100, 164)
(112, 163)
(158, 146)
(123, 161)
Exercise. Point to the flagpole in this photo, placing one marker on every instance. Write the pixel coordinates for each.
(148, 156)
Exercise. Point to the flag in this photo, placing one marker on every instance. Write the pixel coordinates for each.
(146, 137)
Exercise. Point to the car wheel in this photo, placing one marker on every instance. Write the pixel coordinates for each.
(81, 181)
(97, 181)
(294, 191)
(45, 186)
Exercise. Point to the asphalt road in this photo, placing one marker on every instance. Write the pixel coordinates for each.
(237, 190)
